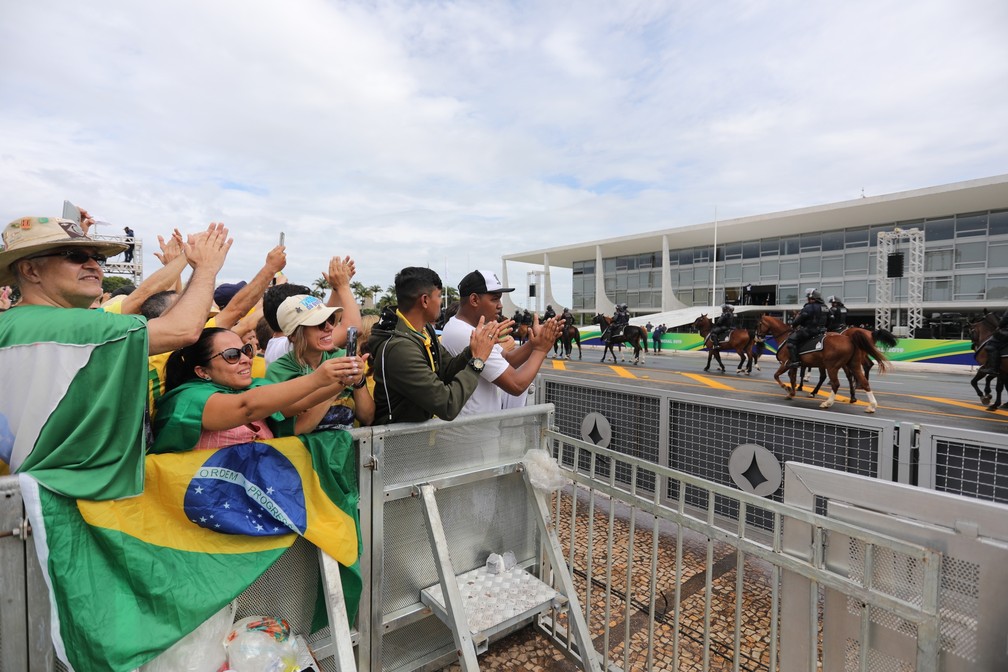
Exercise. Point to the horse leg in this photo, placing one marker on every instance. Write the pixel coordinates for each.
(862, 381)
(710, 356)
(997, 401)
(834, 387)
(822, 379)
(801, 377)
(717, 356)
(578, 341)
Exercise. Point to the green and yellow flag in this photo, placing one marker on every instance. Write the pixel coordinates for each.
(130, 577)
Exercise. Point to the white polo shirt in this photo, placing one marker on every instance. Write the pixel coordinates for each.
(488, 398)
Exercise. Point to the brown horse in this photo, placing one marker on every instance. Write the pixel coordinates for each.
(739, 340)
(838, 351)
(980, 332)
(635, 336)
(568, 337)
(521, 333)
(879, 335)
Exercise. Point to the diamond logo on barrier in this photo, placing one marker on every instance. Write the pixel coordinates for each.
(595, 429)
(755, 469)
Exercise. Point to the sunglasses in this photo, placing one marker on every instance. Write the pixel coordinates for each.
(75, 256)
(233, 355)
(332, 321)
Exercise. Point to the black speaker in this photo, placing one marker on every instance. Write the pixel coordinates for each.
(533, 287)
(894, 267)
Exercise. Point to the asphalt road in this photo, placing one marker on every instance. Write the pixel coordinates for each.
(922, 393)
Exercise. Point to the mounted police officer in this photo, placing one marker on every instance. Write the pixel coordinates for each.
(809, 323)
(568, 320)
(621, 318)
(550, 313)
(994, 346)
(723, 324)
(837, 315)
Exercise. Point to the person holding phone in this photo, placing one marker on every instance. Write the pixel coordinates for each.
(310, 325)
(212, 400)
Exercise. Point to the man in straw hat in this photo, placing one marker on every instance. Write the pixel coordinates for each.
(72, 411)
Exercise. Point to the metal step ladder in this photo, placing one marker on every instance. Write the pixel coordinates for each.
(478, 604)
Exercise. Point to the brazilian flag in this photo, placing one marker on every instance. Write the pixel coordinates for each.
(130, 577)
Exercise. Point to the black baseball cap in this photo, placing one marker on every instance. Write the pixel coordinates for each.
(481, 282)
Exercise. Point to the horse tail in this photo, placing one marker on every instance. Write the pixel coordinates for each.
(885, 336)
(863, 342)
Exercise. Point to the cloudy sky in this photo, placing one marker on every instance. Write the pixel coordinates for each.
(450, 133)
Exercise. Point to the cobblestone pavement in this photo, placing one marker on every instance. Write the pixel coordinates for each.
(528, 649)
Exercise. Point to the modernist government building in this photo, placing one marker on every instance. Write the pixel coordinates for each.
(917, 262)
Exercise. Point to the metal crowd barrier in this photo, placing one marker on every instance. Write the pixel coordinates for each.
(653, 566)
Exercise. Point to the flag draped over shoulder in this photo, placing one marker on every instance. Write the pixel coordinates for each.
(128, 578)
(70, 411)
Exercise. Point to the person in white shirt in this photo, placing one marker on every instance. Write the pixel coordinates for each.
(503, 373)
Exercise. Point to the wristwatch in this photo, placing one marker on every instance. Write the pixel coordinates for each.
(477, 364)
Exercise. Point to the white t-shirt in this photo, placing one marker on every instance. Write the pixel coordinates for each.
(488, 398)
(277, 347)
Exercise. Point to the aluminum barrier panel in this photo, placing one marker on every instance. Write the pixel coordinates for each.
(484, 507)
(964, 462)
(736, 443)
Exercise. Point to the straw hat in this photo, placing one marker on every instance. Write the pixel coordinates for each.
(29, 236)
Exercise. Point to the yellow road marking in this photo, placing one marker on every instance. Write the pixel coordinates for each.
(707, 381)
(558, 365)
(622, 372)
(953, 402)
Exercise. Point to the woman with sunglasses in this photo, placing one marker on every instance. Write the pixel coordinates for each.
(211, 399)
(308, 324)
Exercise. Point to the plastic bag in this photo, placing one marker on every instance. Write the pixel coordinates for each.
(261, 644)
(498, 564)
(544, 472)
(202, 650)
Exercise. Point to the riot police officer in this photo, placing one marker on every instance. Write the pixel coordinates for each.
(837, 315)
(995, 346)
(723, 324)
(549, 313)
(810, 322)
(621, 318)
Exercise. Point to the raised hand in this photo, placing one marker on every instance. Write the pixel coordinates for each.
(341, 271)
(208, 249)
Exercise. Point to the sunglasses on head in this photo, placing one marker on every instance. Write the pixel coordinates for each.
(232, 355)
(75, 256)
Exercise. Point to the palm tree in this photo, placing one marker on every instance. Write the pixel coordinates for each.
(320, 286)
(387, 300)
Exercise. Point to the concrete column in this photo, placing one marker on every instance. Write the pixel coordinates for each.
(603, 304)
(668, 297)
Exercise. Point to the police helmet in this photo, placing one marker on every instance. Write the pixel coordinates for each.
(623, 306)
(549, 306)
(815, 295)
(831, 299)
(727, 307)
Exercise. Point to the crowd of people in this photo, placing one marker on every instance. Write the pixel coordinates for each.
(235, 362)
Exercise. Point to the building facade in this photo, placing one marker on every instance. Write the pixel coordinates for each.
(770, 260)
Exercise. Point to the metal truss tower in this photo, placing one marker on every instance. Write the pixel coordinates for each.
(888, 242)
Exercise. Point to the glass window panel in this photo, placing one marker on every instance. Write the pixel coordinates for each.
(686, 296)
(686, 277)
(937, 289)
(608, 266)
(644, 261)
(577, 286)
(856, 237)
(938, 260)
(790, 245)
(610, 285)
(732, 294)
(939, 229)
(733, 272)
(787, 294)
(832, 240)
(997, 287)
(733, 251)
(633, 281)
(809, 265)
(673, 258)
(701, 254)
(770, 247)
(970, 254)
(970, 286)
(589, 266)
(828, 289)
(811, 242)
(856, 262)
(871, 291)
(685, 257)
(789, 270)
(875, 230)
(832, 267)
(998, 223)
(656, 278)
(701, 274)
(855, 290)
(997, 255)
(769, 269)
(971, 225)
(621, 282)
(577, 268)
(751, 249)
(751, 273)
(621, 263)
(700, 296)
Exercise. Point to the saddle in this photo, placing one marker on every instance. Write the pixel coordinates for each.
(814, 344)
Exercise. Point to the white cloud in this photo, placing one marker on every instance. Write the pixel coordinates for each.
(450, 133)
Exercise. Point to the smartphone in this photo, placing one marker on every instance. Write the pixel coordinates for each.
(71, 211)
(351, 342)
(282, 238)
